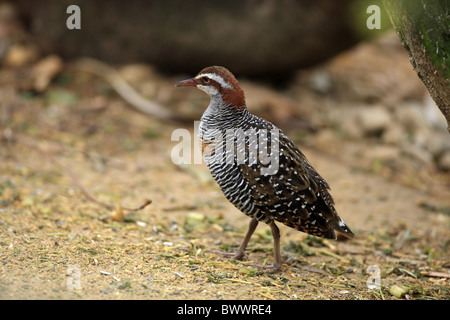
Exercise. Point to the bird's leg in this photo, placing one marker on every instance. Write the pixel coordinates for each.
(240, 254)
(251, 228)
(276, 247)
(276, 250)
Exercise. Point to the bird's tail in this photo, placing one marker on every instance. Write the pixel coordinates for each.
(343, 229)
(328, 231)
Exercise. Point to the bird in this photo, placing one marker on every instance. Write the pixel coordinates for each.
(259, 169)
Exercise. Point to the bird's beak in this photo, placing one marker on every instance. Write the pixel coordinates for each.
(187, 83)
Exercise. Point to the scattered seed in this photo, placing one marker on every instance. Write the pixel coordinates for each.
(397, 291)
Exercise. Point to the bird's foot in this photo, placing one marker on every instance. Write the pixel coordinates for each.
(239, 255)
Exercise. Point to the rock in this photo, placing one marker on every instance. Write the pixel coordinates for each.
(383, 153)
(373, 119)
(438, 143)
(418, 153)
(325, 139)
(432, 114)
(375, 71)
(394, 134)
(117, 214)
(348, 123)
(136, 72)
(320, 81)
(45, 70)
(410, 115)
(271, 104)
(362, 120)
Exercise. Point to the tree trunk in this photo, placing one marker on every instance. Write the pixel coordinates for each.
(424, 29)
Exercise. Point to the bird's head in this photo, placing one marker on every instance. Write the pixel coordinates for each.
(217, 81)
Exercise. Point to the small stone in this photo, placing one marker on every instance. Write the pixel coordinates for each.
(438, 143)
(373, 119)
(417, 153)
(321, 81)
(444, 161)
(141, 223)
(383, 153)
(117, 214)
(394, 135)
(411, 116)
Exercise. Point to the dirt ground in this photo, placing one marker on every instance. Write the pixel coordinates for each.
(80, 137)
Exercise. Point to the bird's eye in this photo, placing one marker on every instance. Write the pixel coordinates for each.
(205, 80)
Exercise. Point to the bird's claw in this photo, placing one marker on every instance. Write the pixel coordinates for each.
(271, 268)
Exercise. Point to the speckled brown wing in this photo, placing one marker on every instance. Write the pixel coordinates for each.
(295, 195)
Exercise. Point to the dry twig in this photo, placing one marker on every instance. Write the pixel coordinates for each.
(130, 95)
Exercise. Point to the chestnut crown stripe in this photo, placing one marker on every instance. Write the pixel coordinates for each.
(233, 96)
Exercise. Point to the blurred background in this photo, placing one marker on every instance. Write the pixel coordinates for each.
(313, 66)
(263, 38)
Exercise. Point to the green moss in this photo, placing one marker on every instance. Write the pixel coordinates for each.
(432, 20)
(437, 44)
